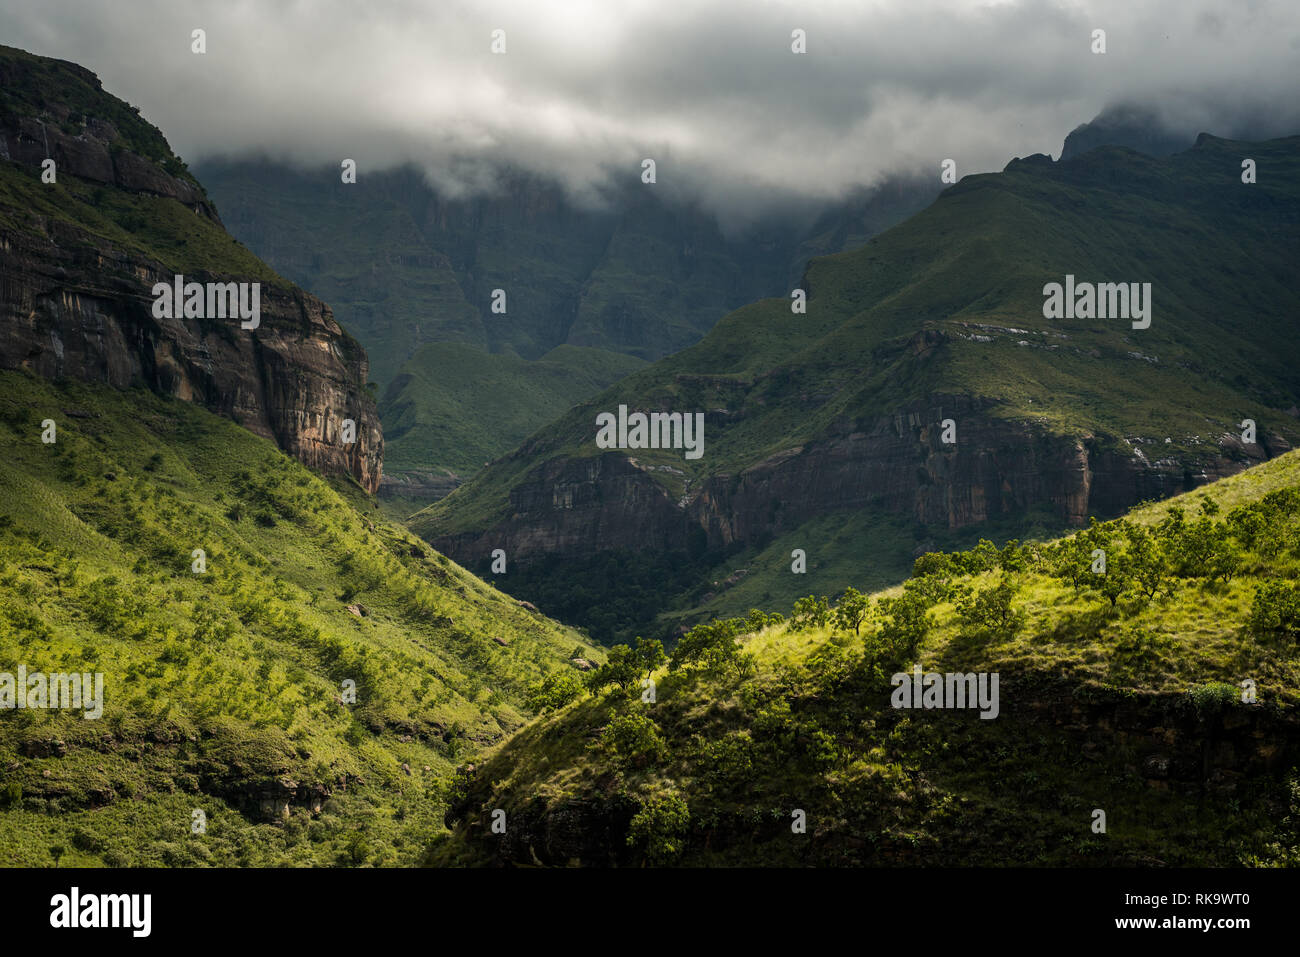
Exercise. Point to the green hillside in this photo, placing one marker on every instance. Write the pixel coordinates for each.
(223, 689)
(945, 311)
(460, 407)
(1118, 692)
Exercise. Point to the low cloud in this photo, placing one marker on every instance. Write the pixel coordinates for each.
(710, 90)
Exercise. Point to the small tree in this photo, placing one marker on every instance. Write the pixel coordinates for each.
(1147, 564)
(660, 827)
(852, 610)
(907, 625)
(991, 607)
(634, 738)
(555, 691)
(1276, 608)
(1070, 561)
(650, 654)
(810, 612)
(622, 668)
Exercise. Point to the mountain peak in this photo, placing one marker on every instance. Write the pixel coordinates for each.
(52, 109)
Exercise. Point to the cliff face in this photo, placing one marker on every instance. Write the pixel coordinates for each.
(999, 469)
(79, 258)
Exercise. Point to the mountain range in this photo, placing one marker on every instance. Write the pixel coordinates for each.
(830, 431)
(643, 271)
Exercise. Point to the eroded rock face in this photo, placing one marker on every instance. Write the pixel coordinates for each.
(68, 310)
(74, 304)
(997, 469)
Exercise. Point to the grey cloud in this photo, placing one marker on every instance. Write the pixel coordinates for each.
(710, 89)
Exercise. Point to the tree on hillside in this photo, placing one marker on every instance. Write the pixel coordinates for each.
(622, 668)
(810, 612)
(1276, 608)
(650, 654)
(555, 691)
(1146, 563)
(991, 607)
(712, 645)
(906, 625)
(852, 609)
(1070, 561)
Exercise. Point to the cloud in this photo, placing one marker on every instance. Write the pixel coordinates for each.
(710, 90)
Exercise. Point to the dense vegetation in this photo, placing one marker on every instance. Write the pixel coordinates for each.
(225, 689)
(1121, 690)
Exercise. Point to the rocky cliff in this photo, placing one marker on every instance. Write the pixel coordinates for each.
(898, 464)
(79, 257)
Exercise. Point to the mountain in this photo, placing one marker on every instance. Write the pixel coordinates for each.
(224, 690)
(641, 273)
(272, 673)
(1138, 128)
(642, 270)
(826, 432)
(460, 406)
(1157, 727)
(82, 254)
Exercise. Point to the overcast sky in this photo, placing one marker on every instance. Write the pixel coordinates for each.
(710, 90)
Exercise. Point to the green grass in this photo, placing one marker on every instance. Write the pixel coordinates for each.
(1092, 700)
(454, 407)
(219, 685)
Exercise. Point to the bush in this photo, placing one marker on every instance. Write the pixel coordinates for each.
(1276, 608)
(659, 828)
(555, 691)
(1213, 697)
(635, 739)
(991, 608)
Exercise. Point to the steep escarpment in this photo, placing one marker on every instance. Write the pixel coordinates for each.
(925, 388)
(79, 257)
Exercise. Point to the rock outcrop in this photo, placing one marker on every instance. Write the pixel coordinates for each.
(75, 291)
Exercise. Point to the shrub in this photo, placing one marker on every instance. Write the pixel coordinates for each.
(659, 828)
(1276, 608)
(1213, 697)
(634, 738)
(555, 691)
(991, 607)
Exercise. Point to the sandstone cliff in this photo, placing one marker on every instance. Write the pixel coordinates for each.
(79, 257)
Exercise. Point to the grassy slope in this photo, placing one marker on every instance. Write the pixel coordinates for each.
(808, 731)
(222, 683)
(456, 407)
(1217, 252)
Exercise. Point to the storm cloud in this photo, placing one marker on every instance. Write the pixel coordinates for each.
(710, 90)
